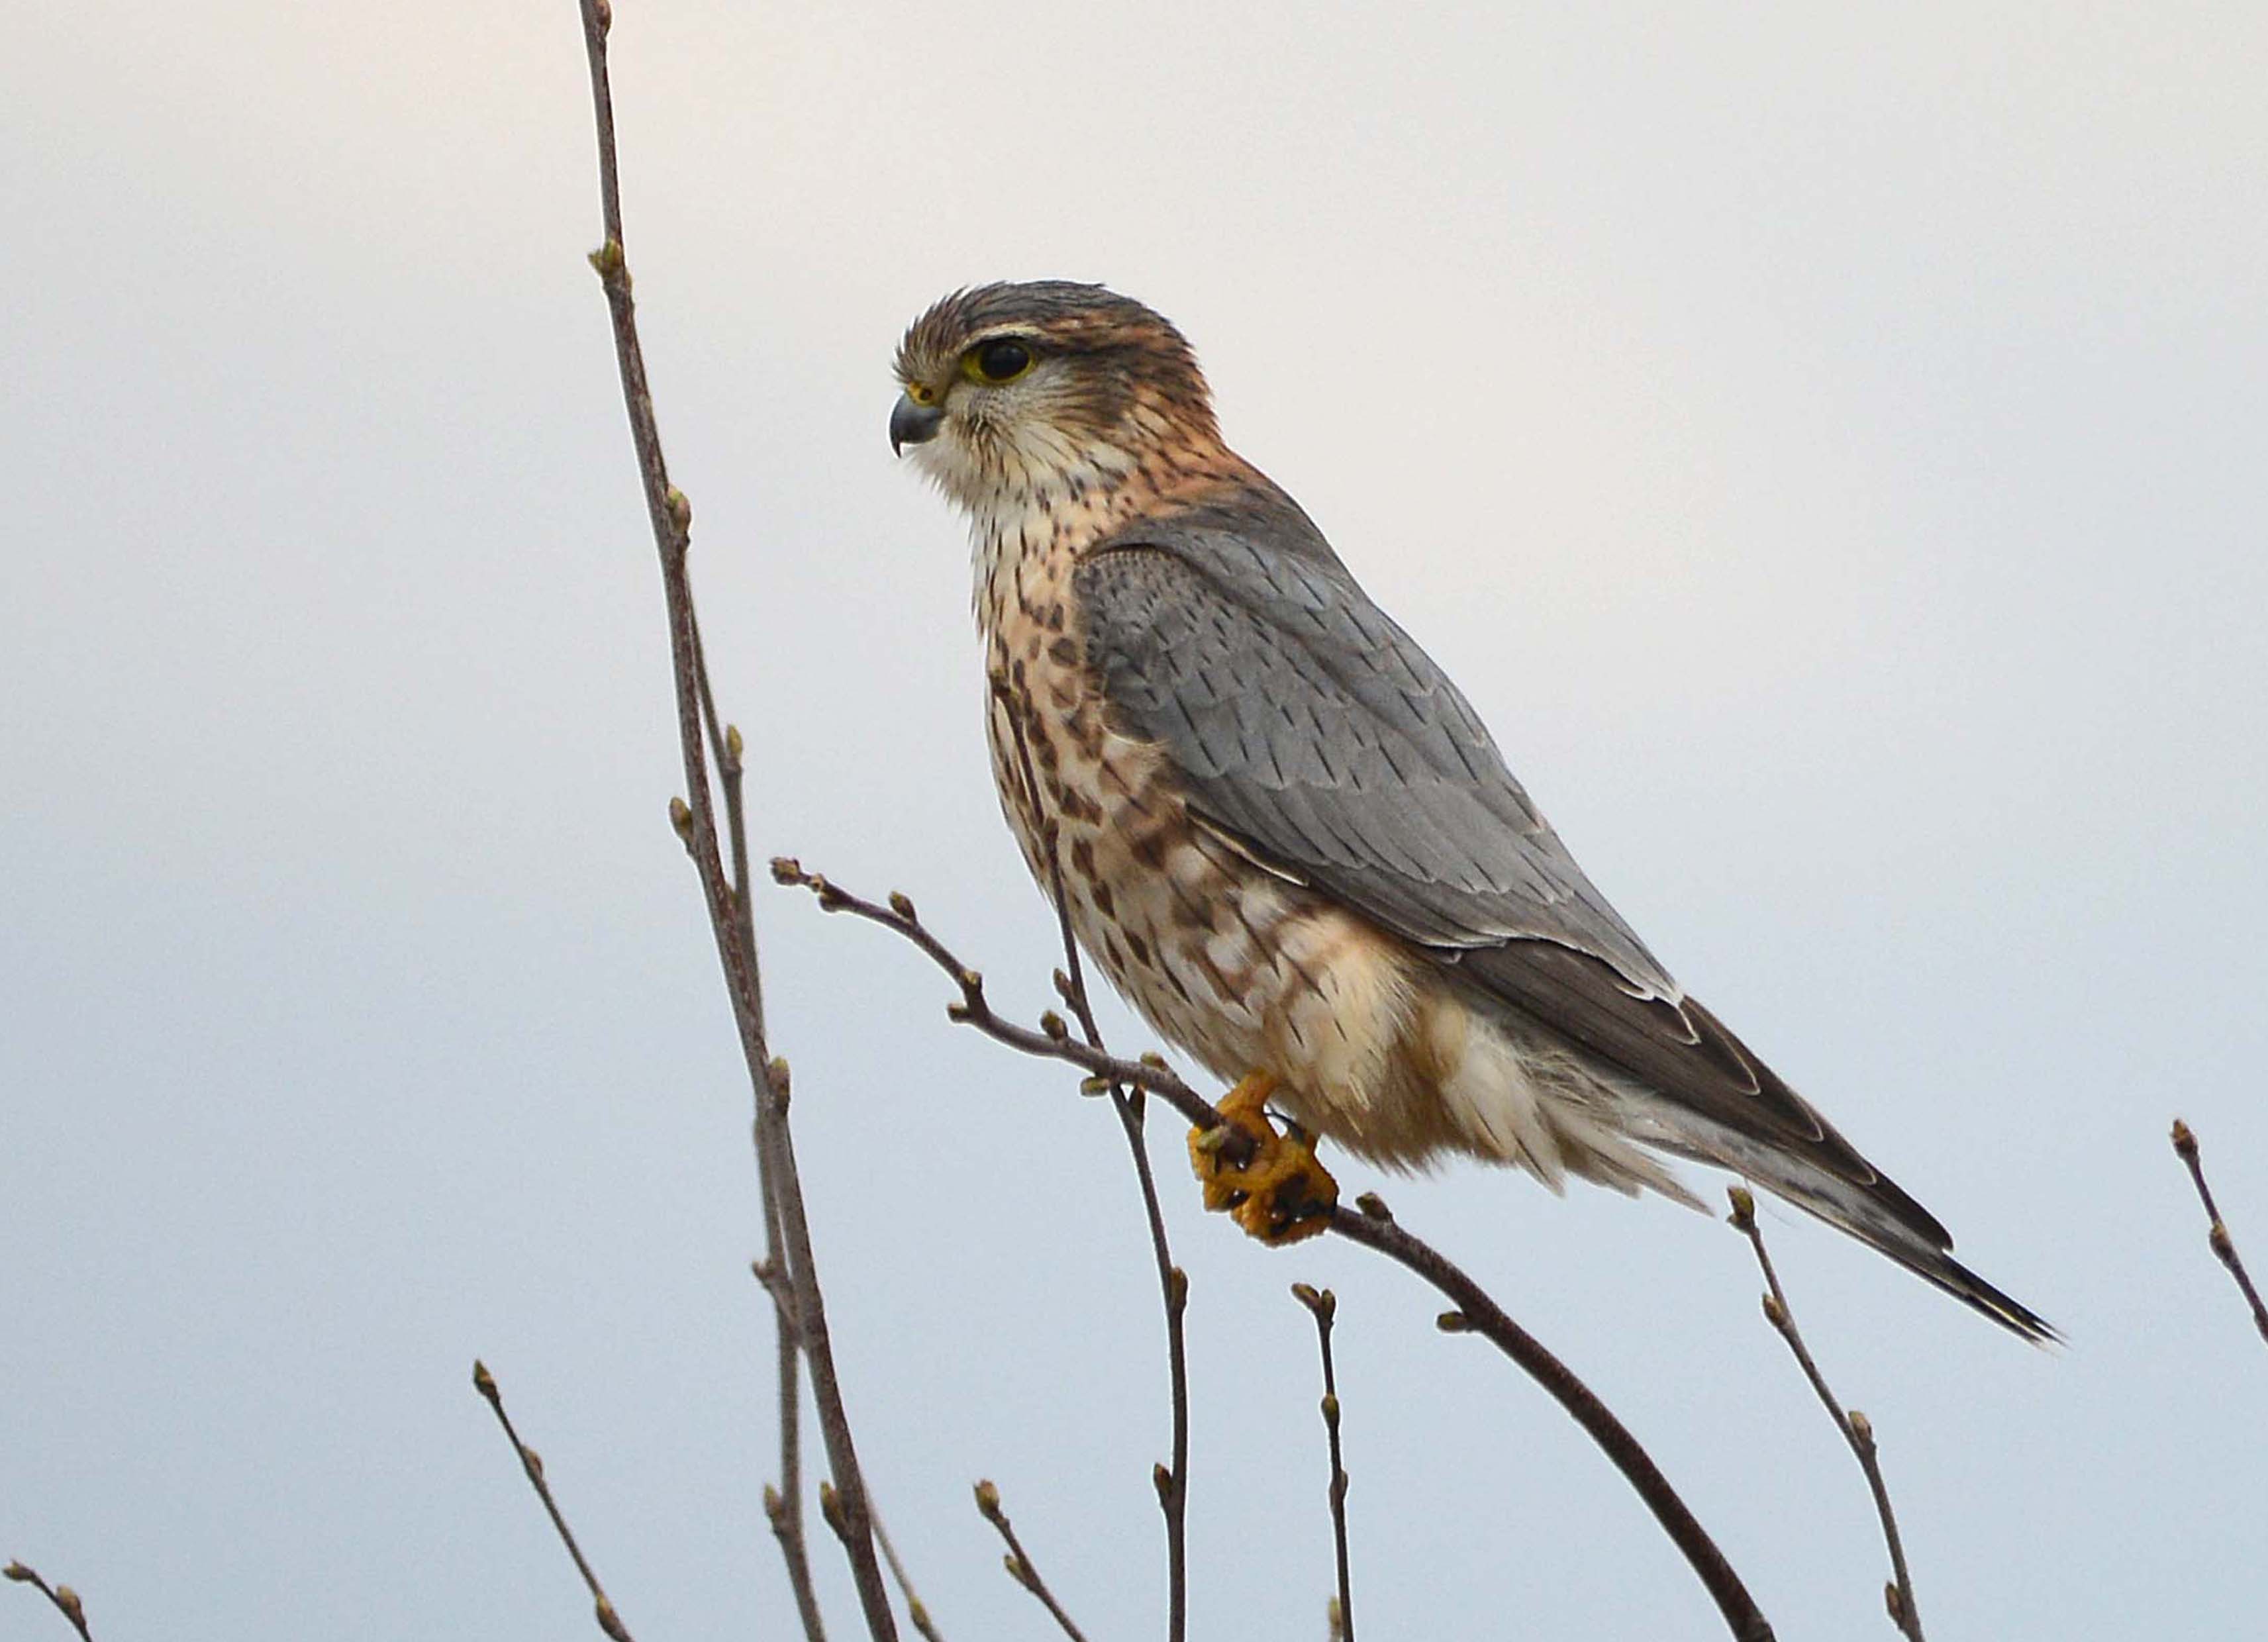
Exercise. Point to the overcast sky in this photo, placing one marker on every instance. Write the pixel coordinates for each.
(1826, 443)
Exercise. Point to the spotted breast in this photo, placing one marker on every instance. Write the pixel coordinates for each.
(1243, 967)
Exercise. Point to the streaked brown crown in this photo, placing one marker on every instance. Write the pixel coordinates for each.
(1123, 351)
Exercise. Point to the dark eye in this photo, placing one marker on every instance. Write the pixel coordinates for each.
(1001, 361)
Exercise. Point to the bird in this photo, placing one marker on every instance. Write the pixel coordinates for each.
(1286, 836)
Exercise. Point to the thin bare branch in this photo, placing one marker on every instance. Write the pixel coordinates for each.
(1370, 1225)
(916, 1610)
(853, 1518)
(784, 1503)
(1172, 1479)
(1323, 1305)
(671, 517)
(1051, 1041)
(1019, 1564)
(2186, 1144)
(1897, 1595)
(531, 1462)
(65, 1600)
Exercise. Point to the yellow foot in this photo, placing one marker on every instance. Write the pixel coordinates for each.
(1281, 1194)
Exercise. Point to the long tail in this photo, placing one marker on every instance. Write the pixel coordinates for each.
(1935, 1266)
(1876, 1211)
(1965, 1285)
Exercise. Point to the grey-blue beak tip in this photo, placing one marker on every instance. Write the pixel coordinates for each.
(913, 424)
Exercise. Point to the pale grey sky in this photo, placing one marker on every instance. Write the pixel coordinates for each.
(1826, 443)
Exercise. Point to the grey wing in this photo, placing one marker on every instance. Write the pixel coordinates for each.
(1311, 728)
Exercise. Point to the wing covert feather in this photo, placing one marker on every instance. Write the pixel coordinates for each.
(1310, 725)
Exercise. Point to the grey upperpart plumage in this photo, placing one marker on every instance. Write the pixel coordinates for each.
(1317, 733)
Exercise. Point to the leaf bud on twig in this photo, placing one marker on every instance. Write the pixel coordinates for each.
(610, 1621)
(1744, 1207)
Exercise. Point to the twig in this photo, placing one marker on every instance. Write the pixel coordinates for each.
(2186, 1145)
(1371, 1225)
(783, 1505)
(1171, 1480)
(853, 1519)
(531, 1462)
(671, 517)
(1019, 1564)
(1052, 1042)
(916, 1610)
(1324, 1306)
(1857, 1430)
(784, 1502)
(65, 1599)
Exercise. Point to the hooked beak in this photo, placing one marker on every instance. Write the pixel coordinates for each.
(913, 424)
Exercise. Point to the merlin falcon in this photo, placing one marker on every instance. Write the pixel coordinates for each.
(1285, 835)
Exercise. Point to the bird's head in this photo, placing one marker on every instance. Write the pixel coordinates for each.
(1013, 392)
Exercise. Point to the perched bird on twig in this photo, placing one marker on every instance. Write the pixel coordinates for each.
(1285, 835)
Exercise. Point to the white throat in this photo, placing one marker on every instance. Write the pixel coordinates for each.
(1021, 504)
